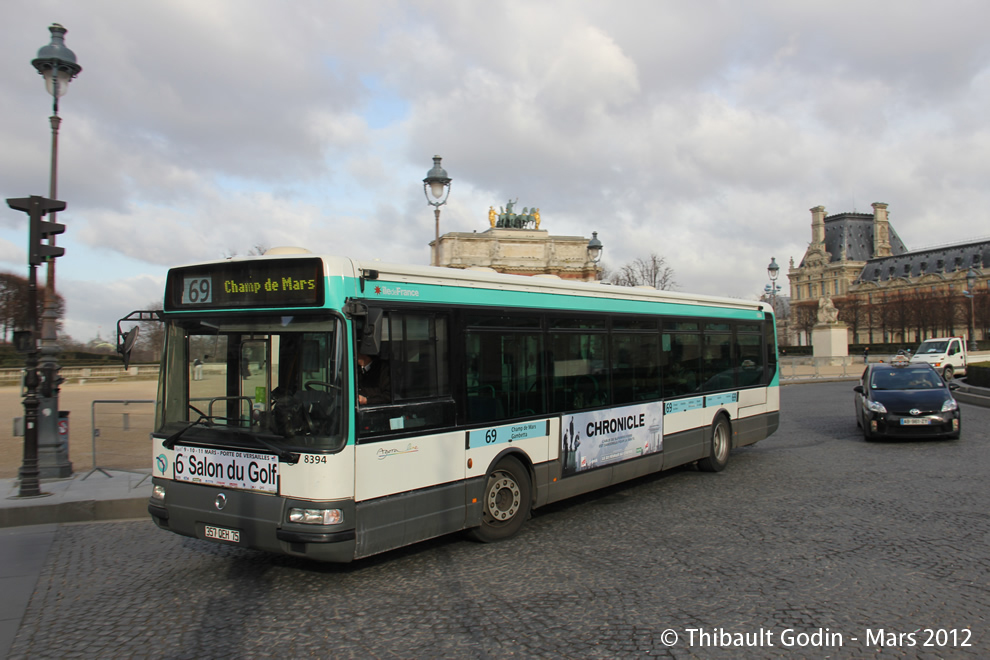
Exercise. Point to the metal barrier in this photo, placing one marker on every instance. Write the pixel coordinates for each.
(121, 439)
(799, 368)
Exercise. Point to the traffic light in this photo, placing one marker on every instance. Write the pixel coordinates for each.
(36, 207)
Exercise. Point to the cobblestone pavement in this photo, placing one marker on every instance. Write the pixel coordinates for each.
(812, 541)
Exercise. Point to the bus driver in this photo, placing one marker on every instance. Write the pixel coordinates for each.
(374, 382)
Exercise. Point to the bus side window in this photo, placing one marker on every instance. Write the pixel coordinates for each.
(504, 375)
(749, 355)
(682, 375)
(635, 367)
(417, 352)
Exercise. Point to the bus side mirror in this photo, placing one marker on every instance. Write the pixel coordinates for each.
(371, 337)
(127, 345)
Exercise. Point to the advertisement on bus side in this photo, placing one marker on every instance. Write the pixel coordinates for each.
(601, 437)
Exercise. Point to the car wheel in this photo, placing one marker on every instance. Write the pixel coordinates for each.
(947, 373)
(718, 457)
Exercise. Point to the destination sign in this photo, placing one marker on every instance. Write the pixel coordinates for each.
(261, 283)
(226, 468)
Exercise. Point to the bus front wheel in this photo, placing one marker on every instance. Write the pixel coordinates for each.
(508, 497)
(718, 456)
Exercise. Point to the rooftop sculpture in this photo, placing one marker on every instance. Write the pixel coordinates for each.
(507, 219)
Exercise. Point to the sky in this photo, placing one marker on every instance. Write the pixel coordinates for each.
(701, 131)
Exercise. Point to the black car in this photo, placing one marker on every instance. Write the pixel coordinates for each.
(902, 400)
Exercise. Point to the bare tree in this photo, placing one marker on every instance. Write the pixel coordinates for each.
(852, 312)
(804, 318)
(14, 304)
(151, 338)
(981, 307)
(652, 271)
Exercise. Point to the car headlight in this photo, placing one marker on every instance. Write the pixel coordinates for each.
(875, 406)
(950, 405)
(316, 516)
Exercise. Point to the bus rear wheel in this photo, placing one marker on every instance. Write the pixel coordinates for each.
(718, 456)
(507, 502)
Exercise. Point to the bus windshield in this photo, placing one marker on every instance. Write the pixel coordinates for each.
(279, 380)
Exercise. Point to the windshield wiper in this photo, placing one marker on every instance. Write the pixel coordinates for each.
(170, 441)
(284, 454)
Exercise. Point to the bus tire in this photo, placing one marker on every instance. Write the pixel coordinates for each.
(718, 456)
(507, 502)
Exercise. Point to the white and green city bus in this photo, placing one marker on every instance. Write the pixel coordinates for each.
(506, 393)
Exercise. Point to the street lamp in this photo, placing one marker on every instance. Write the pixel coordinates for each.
(437, 184)
(595, 248)
(773, 270)
(57, 65)
(970, 293)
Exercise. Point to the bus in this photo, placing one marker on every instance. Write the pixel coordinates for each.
(506, 393)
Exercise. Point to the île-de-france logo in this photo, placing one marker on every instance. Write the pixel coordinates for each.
(162, 461)
(381, 290)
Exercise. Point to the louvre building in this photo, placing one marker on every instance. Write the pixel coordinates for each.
(886, 293)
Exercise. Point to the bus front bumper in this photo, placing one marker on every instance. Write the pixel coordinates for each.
(252, 520)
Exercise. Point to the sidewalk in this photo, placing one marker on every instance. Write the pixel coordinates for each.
(85, 497)
(29, 526)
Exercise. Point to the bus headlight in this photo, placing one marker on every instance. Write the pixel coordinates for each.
(158, 493)
(316, 516)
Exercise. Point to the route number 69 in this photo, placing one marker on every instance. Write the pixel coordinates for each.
(197, 290)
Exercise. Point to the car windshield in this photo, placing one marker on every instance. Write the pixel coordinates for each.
(931, 347)
(894, 378)
(254, 381)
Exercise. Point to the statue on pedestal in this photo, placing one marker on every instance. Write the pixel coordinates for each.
(827, 313)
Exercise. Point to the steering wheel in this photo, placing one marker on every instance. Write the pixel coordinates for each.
(313, 384)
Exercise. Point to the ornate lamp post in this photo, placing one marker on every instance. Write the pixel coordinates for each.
(773, 270)
(595, 248)
(57, 64)
(437, 184)
(970, 293)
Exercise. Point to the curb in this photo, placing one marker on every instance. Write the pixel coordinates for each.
(821, 379)
(40, 513)
(972, 398)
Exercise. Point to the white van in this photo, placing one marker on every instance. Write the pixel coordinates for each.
(946, 354)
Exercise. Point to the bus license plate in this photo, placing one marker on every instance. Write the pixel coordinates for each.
(223, 534)
(915, 421)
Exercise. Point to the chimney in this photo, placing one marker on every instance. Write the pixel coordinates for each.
(881, 231)
(818, 226)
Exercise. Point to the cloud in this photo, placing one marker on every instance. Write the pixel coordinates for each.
(700, 131)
